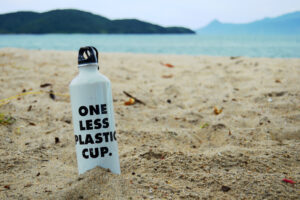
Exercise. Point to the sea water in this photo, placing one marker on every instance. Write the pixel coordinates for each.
(226, 45)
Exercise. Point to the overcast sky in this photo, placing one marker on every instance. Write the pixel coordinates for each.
(188, 13)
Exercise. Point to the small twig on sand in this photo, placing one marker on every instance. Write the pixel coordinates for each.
(136, 99)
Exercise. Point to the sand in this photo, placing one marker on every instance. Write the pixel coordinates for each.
(174, 147)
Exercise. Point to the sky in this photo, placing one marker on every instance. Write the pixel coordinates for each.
(188, 13)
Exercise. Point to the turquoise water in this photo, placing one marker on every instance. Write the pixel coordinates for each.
(243, 45)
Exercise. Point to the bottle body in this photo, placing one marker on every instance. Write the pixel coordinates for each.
(93, 121)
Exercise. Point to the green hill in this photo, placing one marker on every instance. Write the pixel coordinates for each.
(76, 21)
(288, 24)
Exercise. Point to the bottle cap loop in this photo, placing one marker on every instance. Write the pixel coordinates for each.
(87, 55)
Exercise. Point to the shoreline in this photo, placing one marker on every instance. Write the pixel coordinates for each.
(152, 54)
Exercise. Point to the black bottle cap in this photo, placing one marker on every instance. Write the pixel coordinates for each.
(87, 55)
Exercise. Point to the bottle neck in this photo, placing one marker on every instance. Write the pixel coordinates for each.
(88, 68)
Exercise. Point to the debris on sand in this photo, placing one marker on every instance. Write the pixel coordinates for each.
(6, 120)
(167, 76)
(234, 57)
(52, 95)
(56, 140)
(167, 65)
(131, 101)
(218, 111)
(225, 188)
(45, 85)
(288, 181)
(134, 98)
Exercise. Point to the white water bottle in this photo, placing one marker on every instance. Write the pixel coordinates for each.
(93, 115)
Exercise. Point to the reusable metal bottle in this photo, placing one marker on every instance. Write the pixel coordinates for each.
(93, 115)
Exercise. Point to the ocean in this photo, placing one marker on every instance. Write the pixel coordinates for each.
(238, 45)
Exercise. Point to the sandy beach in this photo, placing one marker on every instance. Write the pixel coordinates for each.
(211, 127)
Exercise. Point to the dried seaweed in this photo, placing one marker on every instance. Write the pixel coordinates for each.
(6, 120)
